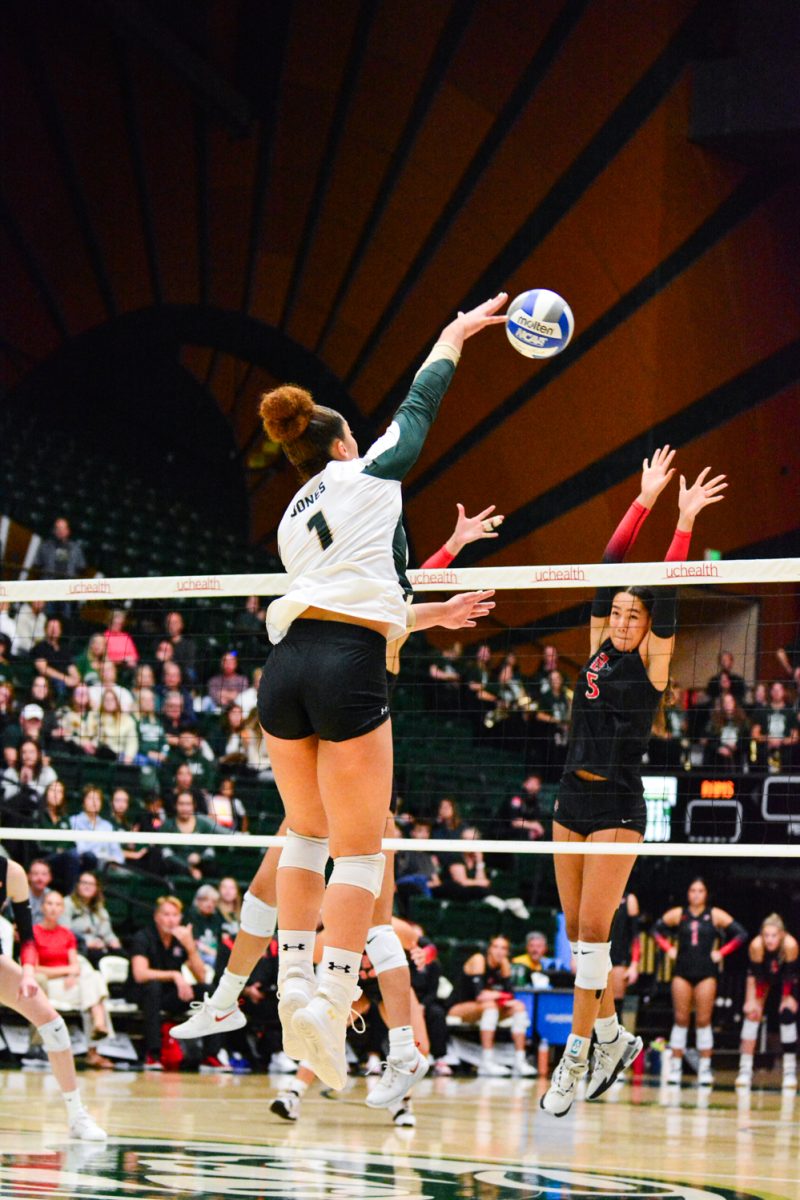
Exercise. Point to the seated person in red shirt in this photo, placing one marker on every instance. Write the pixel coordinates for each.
(69, 981)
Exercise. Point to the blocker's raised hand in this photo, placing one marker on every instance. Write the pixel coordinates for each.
(693, 499)
(472, 529)
(656, 474)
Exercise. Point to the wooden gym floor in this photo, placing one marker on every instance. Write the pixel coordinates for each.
(207, 1136)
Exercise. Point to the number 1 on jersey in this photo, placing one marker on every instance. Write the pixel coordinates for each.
(320, 527)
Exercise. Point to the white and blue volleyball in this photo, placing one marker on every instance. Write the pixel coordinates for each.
(539, 323)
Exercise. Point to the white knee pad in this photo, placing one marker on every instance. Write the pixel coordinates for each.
(384, 949)
(257, 918)
(704, 1037)
(489, 1018)
(594, 964)
(678, 1037)
(359, 870)
(307, 853)
(750, 1030)
(55, 1035)
(788, 1031)
(519, 1021)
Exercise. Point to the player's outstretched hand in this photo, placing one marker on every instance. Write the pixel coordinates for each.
(697, 497)
(468, 323)
(463, 610)
(656, 474)
(472, 529)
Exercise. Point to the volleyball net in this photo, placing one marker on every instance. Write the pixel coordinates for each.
(145, 675)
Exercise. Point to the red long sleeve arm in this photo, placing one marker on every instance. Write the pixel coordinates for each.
(626, 533)
(679, 547)
(442, 558)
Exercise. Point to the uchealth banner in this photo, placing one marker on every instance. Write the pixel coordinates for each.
(448, 579)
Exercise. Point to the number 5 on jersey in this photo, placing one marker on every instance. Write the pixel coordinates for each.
(320, 527)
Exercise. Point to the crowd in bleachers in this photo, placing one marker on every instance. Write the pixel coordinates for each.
(723, 723)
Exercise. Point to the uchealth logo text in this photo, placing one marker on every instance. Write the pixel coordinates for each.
(90, 587)
(208, 583)
(559, 575)
(707, 570)
(435, 577)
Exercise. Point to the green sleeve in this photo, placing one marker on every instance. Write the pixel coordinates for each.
(393, 455)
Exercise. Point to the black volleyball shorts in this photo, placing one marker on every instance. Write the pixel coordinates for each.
(585, 806)
(326, 678)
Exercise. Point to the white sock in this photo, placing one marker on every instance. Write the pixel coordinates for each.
(577, 1046)
(295, 948)
(401, 1042)
(228, 990)
(790, 1064)
(746, 1063)
(339, 972)
(519, 1057)
(607, 1028)
(73, 1103)
(487, 1053)
(298, 1086)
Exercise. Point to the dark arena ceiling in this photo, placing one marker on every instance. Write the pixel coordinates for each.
(201, 198)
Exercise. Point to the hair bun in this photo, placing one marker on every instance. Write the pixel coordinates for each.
(286, 412)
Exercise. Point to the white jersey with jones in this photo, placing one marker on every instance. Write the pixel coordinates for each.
(336, 537)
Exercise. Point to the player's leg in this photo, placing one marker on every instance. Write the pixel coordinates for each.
(569, 880)
(618, 987)
(682, 995)
(220, 1012)
(355, 779)
(750, 1025)
(597, 886)
(55, 1038)
(287, 1102)
(520, 1021)
(705, 994)
(300, 877)
(788, 1027)
(405, 1065)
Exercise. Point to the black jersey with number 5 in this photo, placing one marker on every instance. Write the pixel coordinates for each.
(612, 714)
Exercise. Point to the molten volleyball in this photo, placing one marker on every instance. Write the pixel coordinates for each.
(539, 323)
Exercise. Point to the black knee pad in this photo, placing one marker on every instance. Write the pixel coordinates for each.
(788, 1024)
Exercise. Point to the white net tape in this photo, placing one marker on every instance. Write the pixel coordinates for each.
(241, 841)
(563, 575)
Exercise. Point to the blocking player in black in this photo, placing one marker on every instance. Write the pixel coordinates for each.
(601, 797)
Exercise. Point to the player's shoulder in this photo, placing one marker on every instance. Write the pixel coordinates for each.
(475, 964)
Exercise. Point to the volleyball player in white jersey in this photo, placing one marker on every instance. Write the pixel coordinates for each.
(220, 1011)
(323, 701)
